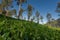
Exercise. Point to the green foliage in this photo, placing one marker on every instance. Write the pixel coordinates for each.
(13, 29)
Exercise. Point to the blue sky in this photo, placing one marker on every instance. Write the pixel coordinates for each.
(43, 6)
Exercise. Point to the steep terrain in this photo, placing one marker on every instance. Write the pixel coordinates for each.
(14, 29)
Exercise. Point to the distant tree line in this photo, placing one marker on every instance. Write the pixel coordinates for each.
(5, 6)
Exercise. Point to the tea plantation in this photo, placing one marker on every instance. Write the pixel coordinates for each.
(14, 29)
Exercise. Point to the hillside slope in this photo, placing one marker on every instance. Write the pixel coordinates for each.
(54, 23)
(14, 29)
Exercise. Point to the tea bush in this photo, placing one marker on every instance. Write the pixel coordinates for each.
(14, 29)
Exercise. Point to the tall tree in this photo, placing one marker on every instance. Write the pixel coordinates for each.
(20, 13)
(58, 11)
(41, 18)
(19, 3)
(58, 8)
(0, 8)
(5, 5)
(30, 9)
(33, 18)
(37, 16)
(49, 17)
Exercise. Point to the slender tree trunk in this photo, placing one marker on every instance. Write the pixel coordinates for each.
(18, 11)
(28, 18)
(6, 11)
(38, 21)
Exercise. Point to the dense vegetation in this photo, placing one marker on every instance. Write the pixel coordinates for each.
(19, 28)
(13, 29)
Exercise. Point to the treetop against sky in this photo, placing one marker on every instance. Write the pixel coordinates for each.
(43, 6)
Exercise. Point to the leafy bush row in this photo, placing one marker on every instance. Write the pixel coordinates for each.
(11, 29)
